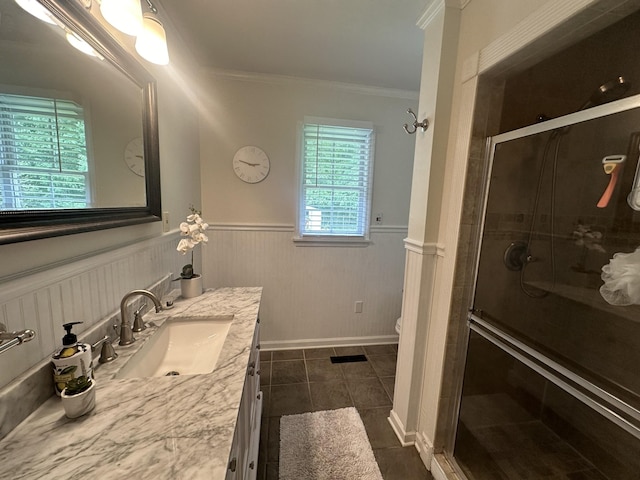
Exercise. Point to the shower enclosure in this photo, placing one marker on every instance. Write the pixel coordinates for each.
(552, 379)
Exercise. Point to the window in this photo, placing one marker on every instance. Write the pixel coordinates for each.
(336, 176)
(43, 154)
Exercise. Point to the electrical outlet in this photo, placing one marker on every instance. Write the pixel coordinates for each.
(165, 221)
(378, 218)
(358, 306)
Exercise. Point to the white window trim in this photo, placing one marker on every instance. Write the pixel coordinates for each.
(308, 240)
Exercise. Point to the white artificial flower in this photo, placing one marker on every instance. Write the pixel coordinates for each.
(192, 231)
(200, 237)
(185, 245)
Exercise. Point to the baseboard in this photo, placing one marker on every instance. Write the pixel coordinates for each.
(406, 438)
(441, 469)
(425, 449)
(437, 464)
(268, 345)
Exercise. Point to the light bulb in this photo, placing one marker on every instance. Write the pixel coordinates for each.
(37, 10)
(125, 15)
(81, 45)
(151, 42)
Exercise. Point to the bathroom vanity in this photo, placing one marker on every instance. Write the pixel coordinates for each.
(196, 426)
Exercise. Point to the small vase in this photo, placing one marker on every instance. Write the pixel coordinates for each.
(191, 287)
(77, 405)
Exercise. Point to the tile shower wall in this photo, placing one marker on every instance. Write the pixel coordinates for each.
(567, 321)
(87, 290)
(567, 80)
(503, 106)
(486, 122)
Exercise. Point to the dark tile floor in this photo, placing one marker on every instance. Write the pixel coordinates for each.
(299, 381)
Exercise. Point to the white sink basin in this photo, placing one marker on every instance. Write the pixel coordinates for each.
(184, 346)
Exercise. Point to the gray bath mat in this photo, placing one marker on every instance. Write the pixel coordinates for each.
(326, 445)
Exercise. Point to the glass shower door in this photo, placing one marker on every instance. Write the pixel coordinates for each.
(551, 386)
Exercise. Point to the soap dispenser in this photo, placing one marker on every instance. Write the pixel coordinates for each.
(73, 360)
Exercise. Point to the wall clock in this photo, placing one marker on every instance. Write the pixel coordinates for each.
(251, 164)
(134, 156)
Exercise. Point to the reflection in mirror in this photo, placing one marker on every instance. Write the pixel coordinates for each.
(67, 118)
(78, 126)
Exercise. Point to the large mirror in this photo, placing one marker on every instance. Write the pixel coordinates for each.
(78, 132)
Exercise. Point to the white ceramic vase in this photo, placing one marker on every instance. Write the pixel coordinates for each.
(77, 405)
(191, 287)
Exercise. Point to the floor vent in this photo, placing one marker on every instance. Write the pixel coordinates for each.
(348, 359)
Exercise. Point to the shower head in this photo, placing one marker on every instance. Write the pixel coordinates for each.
(608, 92)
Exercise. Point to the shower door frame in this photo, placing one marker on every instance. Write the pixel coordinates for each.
(535, 360)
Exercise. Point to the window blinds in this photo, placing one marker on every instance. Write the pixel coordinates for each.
(43, 154)
(336, 180)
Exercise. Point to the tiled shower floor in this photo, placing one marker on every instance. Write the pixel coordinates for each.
(498, 440)
(299, 381)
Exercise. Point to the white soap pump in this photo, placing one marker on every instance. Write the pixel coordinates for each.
(74, 359)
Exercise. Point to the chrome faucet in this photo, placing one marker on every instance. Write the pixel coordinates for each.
(126, 331)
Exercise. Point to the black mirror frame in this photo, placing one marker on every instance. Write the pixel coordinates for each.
(27, 225)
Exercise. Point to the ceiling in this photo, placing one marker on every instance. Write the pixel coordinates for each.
(365, 42)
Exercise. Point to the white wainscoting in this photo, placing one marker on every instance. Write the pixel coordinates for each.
(86, 290)
(310, 292)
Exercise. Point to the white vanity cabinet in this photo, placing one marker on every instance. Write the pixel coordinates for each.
(243, 460)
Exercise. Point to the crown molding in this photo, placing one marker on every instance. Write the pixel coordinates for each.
(272, 79)
(430, 13)
(435, 6)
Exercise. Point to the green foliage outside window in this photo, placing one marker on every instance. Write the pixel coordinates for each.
(336, 176)
(43, 154)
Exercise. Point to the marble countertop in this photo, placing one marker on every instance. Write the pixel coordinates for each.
(157, 428)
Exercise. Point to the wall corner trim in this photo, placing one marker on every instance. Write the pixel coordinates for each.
(470, 66)
(406, 438)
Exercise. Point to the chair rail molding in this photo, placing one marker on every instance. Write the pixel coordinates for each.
(422, 248)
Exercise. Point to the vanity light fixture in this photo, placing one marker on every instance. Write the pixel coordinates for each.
(151, 43)
(36, 9)
(151, 38)
(125, 15)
